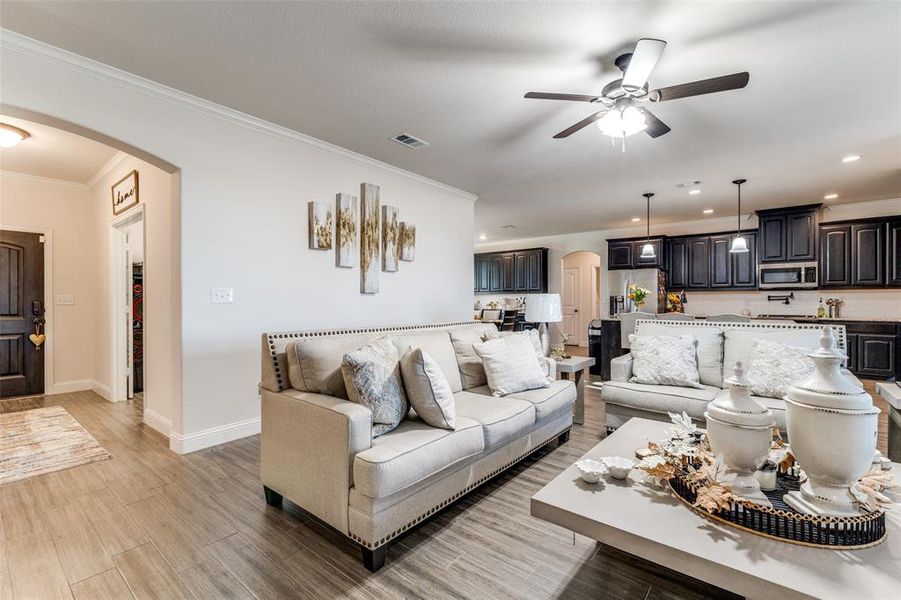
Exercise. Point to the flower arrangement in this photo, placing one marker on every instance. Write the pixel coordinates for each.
(637, 294)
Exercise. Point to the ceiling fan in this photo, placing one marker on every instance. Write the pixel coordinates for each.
(622, 114)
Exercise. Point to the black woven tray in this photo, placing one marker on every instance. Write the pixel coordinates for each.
(783, 523)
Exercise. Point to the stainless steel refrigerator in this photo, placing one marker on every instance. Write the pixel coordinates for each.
(650, 279)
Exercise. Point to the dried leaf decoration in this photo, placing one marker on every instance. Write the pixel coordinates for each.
(713, 498)
(868, 491)
(657, 469)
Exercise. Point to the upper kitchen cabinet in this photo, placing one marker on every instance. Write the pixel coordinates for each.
(788, 234)
(677, 263)
(744, 264)
(517, 271)
(626, 254)
(861, 253)
(893, 256)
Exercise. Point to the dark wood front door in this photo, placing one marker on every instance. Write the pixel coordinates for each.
(21, 302)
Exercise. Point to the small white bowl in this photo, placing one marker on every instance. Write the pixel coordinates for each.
(591, 470)
(618, 467)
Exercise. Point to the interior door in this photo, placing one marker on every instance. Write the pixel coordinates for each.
(21, 313)
(571, 297)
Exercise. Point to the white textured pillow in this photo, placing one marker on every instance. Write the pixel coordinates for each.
(428, 390)
(664, 360)
(511, 365)
(776, 367)
(530, 334)
(372, 377)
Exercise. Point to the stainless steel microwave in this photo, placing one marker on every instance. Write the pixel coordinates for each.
(789, 276)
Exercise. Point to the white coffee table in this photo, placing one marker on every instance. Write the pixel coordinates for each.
(650, 523)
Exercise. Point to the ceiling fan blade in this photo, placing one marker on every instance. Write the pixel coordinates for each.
(735, 81)
(583, 123)
(644, 59)
(553, 96)
(655, 127)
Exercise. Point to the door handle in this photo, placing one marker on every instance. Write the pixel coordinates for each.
(37, 308)
(575, 310)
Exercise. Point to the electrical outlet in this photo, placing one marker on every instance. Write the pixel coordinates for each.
(65, 300)
(222, 295)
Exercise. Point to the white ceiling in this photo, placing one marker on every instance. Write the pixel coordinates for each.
(825, 81)
(54, 153)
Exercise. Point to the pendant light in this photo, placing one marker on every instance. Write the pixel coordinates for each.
(647, 250)
(739, 244)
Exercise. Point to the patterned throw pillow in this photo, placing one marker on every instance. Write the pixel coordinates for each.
(511, 365)
(664, 360)
(428, 389)
(776, 367)
(372, 376)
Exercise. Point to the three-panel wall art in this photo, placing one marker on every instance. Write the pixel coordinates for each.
(362, 227)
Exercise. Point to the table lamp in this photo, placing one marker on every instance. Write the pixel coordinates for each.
(544, 309)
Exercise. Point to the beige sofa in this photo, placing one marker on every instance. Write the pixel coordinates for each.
(318, 450)
(720, 345)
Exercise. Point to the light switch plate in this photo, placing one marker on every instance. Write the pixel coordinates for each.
(222, 295)
(65, 300)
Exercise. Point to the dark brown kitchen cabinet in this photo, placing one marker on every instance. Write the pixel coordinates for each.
(720, 262)
(523, 271)
(698, 263)
(744, 264)
(788, 234)
(893, 257)
(619, 254)
(868, 254)
(876, 355)
(835, 256)
(851, 349)
(677, 263)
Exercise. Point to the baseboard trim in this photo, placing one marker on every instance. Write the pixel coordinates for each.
(206, 438)
(157, 422)
(103, 390)
(76, 385)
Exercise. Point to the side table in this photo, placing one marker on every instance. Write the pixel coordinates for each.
(891, 393)
(574, 368)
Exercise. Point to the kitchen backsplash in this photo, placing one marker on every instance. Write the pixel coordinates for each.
(857, 303)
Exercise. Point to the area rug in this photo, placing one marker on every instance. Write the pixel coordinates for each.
(43, 440)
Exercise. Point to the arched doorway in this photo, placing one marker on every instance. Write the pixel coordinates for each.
(580, 294)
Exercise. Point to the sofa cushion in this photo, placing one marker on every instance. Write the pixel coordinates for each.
(665, 360)
(660, 398)
(502, 419)
(463, 338)
(314, 363)
(776, 367)
(412, 452)
(511, 365)
(739, 344)
(427, 389)
(372, 376)
(709, 349)
(547, 401)
(436, 344)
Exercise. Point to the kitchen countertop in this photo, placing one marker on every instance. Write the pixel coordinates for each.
(801, 319)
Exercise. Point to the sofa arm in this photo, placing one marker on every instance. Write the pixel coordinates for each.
(307, 449)
(621, 368)
(551, 368)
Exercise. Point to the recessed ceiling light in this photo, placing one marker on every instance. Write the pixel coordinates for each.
(694, 192)
(851, 158)
(830, 196)
(708, 211)
(11, 135)
(482, 236)
(636, 219)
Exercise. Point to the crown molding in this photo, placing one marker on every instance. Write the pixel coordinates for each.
(44, 180)
(15, 42)
(113, 163)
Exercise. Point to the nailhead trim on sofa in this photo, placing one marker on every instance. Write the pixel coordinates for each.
(373, 545)
(838, 330)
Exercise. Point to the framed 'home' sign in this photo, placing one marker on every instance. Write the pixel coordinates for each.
(125, 193)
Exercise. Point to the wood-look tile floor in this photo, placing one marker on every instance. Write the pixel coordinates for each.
(152, 524)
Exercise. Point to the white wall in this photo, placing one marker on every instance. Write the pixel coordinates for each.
(65, 210)
(244, 188)
(858, 303)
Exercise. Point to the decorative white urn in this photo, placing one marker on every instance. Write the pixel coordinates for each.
(832, 433)
(741, 429)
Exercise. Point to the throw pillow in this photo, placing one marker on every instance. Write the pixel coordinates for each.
(511, 365)
(776, 367)
(428, 389)
(530, 334)
(664, 360)
(372, 376)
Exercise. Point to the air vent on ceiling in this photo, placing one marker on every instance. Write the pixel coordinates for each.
(410, 141)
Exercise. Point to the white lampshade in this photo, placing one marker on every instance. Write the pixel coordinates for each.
(544, 308)
(739, 244)
(647, 251)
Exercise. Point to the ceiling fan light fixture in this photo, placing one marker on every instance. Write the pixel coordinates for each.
(623, 123)
(11, 135)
